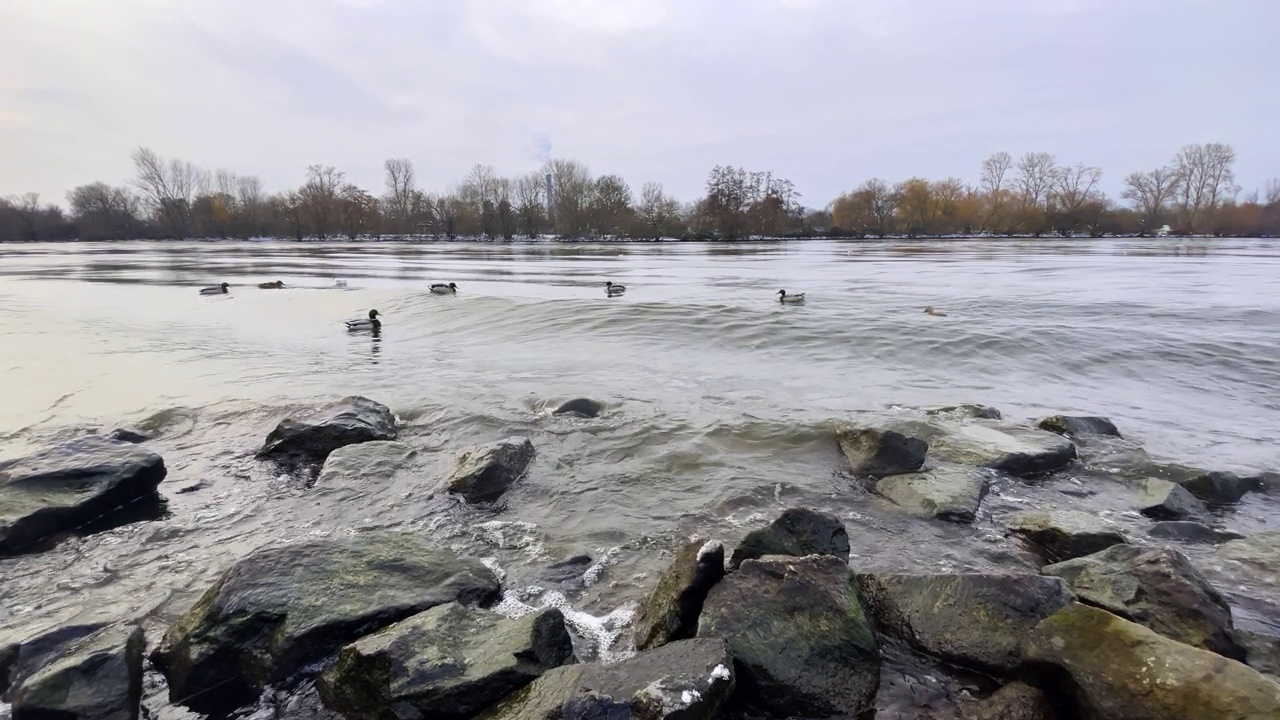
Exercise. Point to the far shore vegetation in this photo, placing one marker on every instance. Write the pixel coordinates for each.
(1033, 195)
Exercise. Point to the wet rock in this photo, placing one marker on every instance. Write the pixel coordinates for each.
(370, 462)
(1157, 588)
(966, 410)
(1019, 451)
(582, 407)
(450, 662)
(1267, 482)
(800, 639)
(1120, 670)
(684, 680)
(128, 435)
(949, 492)
(1252, 560)
(1219, 488)
(873, 452)
(23, 654)
(484, 473)
(1079, 426)
(310, 436)
(60, 488)
(1189, 531)
(1163, 500)
(97, 678)
(798, 532)
(1064, 534)
(671, 610)
(284, 607)
(974, 620)
(8, 656)
(1262, 651)
(1015, 701)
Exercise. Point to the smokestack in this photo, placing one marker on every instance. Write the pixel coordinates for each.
(550, 198)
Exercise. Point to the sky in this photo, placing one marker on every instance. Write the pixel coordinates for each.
(827, 93)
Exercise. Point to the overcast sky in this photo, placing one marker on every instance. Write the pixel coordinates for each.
(825, 92)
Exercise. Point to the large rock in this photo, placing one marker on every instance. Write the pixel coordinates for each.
(798, 532)
(284, 607)
(450, 662)
(684, 680)
(1015, 701)
(974, 620)
(1163, 500)
(801, 641)
(1189, 531)
(27, 652)
(1024, 452)
(966, 410)
(1120, 670)
(484, 473)
(310, 436)
(1155, 587)
(355, 466)
(1064, 534)
(949, 492)
(60, 488)
(873, 452)
(581, 407)
(1218, 488)
(1254, 560)
(1079, 426)
(96, 678)
(8, 657)
(671, 611)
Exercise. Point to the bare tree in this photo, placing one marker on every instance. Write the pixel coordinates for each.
(994, 171)
(320, 196)
(571, 194)
(1272, 191)
(1035, 178)
(531, 201)
(1151, 192)
(399, 199)
(1072, 188)
(609, 205)
(657, 212)
(1206, 176)
(168, 189)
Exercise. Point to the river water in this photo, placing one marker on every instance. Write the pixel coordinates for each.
(722, 400)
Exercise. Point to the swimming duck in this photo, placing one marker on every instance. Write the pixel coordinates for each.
(339, 283)
(442, 289)
(215, 290)
(611, 289)
(937, 313)
(370, 323)
(276, 285)
(794, 299)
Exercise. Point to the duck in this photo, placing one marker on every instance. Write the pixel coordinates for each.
(339, 283)
(611, 289)
(793, 299)
(936, 313)
(443, 289)
(274, 285)
(220, 289)
(370, 323)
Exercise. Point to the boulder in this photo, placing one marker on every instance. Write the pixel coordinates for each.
(1064, 534)
(1019, 451)
(1157, 588)
(370, 462)
(128, 435)
(1254, 560)
(1189, 531)
(1120, 670)
(450, 662)
(310, 436)
(873, 452)
(798, 532)
(24, 654)
(8, 657)
(948, 492)
(60, 488)
(582, 407)
(1015, 701)
(1079, 426)
(1219, 488)
(671, 611)
(284, 607)
(484, 473)
(1163, 500)
(1266, 482)
(968, 410)
(801, 642)
(973, 620)
(97, 678)
(684, 680)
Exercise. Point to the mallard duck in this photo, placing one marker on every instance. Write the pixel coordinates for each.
(611, 289)
(275, 285)
(937, 313)
(339, 283)
(793, 299)
(216, 290)
(443, 289)
(370, 323)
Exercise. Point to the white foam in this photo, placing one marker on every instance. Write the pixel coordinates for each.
(689, 697)
(592, 574)
(604, 638)
(709, 547)
(720, 673)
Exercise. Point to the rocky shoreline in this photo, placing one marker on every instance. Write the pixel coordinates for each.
(386, 624)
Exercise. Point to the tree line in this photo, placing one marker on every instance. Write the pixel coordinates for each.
(1031, 195)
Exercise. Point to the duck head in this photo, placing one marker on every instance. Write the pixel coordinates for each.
(453, 286)
(224, 286)
(782, 293)
(373, 314)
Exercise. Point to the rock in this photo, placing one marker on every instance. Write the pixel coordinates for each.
(1064, 534)
(1157, 588)
(949, 492)
(1078, 426)
(582, 407)
(973, 620)
(966, 410)
(58, 489)
(800, 639)
(1262, 652)
(23, 655)
(8, 657)
(128, 435)
(309, 437)
(450, 662)
(370, 462)
(97, 678)
(1120, 670)
(1188, 531)
(1254, 560)
(284, 607)
(1015, 701)
(1019, 451)
(1163, 500)
(684, 680)
(873, 452)
(671, 610)
(1219, 488)
(484, 473)
(798, 532)
(1267, 482)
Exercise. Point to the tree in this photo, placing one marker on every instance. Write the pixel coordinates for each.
(868, 210)
(531, 202)
(1035, 178)
(729, 193)
(610, 206)
(102, 212)
(658, 213)
(1206, 179)
(401, 199)
(1071, 188)
(1151, 193)
(571, 188)
(995, 172)
(168, 189)
(320, 197)
(358, 211)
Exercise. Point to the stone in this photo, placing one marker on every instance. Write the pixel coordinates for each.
(97, 678)
(581, 407)
(966, 410)
(1079, 426)
(1219, 488)
(875, 453)
(357, 465)
(451, 662)
(1267, 482)
(683, 680)
(60, 488)
(1163, 500)
(8, 657)
(484, 473)
(1120, 670)
(1017, 451)
(1189, 531)
(22, 655)
(950, 492)
(1253, 561)
(1064, 534)
(309, 437)
(128, 435)
(671, 611)
(798, 532)
(1015, 701)
(976, 621)
(285, 607)
(1157, 588)
(1262, 651)
(801, 642)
